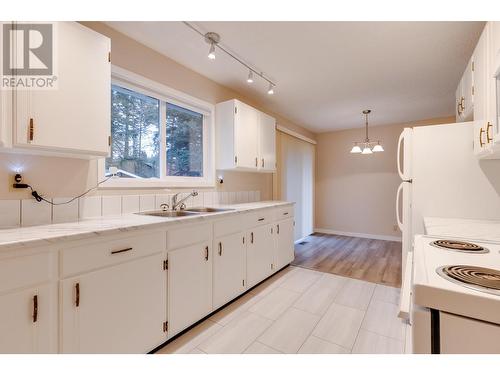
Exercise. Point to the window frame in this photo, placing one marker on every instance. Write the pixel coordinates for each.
(164, 94)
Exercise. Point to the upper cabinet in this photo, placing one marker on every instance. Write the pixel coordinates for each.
(73, 118)
(486, 70)
(245, 138)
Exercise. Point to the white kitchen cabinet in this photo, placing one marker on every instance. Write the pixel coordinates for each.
(494, 82)
(229, 270)
(245, 138)
(284, 245)
(74, 118)
(27, 320)
(267, 143)
(260, 253)
(189, 285)
(119, 309)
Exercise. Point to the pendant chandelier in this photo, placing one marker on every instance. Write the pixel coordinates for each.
(366, 147)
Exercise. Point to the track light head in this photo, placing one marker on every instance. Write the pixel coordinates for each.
(250, 77)
(212, 39)
(270, 90)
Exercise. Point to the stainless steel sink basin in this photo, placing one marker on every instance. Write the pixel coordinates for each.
(208, 209)
(169, 213)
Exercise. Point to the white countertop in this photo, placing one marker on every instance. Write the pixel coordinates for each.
(471, 229)
(49, 234)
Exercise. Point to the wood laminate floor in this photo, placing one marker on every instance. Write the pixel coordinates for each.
(365, 259)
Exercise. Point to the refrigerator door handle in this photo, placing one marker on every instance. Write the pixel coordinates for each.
(398, 199)
(398, 156)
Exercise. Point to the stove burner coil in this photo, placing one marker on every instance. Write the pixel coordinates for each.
(461, 246)
(477, 278)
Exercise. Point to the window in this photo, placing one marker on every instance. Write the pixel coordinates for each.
(159, 137)
(135, 134)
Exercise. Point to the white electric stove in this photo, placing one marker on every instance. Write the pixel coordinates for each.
(455, 296)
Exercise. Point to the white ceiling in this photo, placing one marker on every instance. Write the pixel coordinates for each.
(328, 72)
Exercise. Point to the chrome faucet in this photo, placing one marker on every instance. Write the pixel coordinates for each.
(180, 204)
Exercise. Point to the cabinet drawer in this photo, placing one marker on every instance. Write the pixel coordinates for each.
(285, 212)
(184, 236)
(23, 271)
(95, 255)
(233, 224)
(260, 217)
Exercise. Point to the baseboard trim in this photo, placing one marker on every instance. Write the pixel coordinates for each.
(362, 235)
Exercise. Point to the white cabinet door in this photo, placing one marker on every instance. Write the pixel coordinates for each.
(120, 309)
(260, 253)
(189, 285)
(27, 323)
(285, 251)
(75, 117)
(246, 136)
(229, 268)
(267, 142)
(467, 83)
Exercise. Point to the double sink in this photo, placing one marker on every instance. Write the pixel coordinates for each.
(187, 212)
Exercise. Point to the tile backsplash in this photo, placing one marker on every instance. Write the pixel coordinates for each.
(29, 212)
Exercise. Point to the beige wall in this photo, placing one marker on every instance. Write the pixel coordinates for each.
(63, 177)
(357, 193)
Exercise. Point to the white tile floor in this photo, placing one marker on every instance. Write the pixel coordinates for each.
(302, 311)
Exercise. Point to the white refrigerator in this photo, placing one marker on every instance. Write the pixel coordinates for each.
(441, 177)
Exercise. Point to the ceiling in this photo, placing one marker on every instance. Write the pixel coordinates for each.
(328, 72)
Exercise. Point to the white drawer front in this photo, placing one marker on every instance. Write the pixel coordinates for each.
(25, 271)
(188, 235)
(95, 255)
(233, 224)
(260, 217)
(282, 213)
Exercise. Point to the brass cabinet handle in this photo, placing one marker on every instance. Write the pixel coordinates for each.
(278, 232)
(206, 253)
(77, 294)
(220, 248)
(122, 250)
(488, 137)
(262, 162)
(251, 237)
(35, 308)
(481, 131)
(462, 103)
(31, 130)
(459, 104)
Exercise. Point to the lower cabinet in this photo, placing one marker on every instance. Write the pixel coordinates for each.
(118, 309)
(284, 247)
(229, 268)
(260, 253)
(27, 321)
(190, 285)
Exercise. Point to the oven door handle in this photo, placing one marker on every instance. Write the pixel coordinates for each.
(405, 298)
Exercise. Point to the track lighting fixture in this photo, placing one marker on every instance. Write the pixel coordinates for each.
(213, 39)
(270, 90)
(250, 77)
(211, 52)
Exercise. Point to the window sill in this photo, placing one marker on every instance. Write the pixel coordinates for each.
(124, 183)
